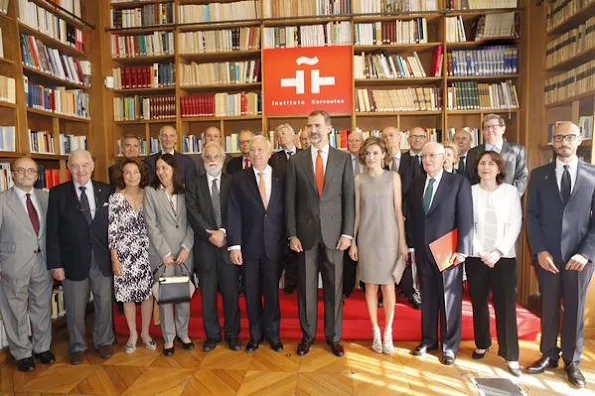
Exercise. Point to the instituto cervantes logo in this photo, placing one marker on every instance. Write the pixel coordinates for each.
(299, 82)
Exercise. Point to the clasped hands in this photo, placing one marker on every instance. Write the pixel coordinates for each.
(546, 261)
(296, 245)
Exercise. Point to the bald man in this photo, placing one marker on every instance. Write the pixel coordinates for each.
(243, 161)
(211, 135)
(168, 138)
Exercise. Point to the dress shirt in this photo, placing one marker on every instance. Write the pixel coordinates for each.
(437, 179)
(23, 198)
(289, 152)
(324, 154)
(572, 169)
(496, 147)
(397, 157)
(172, 152)
(90, 195)
(413, 154)
(210, 183)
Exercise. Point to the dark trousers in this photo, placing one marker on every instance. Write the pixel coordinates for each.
(262, 279)
(501, 280)
(441, 300)
(349, 272)
(568, 288)
(290, 266)
(225, 276)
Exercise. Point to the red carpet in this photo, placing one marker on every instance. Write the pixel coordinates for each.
(356, 322)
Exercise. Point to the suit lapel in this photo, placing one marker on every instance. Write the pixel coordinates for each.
(254, 187)
(307, 163)
(332, 166)
(275, 186)
(205, 193)
(42, 214)
(19, 210)
(442, 187)
(578, 181)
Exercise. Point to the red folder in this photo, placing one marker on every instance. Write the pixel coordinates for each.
(444, 248)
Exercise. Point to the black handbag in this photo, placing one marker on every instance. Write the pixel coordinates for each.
(173, 289)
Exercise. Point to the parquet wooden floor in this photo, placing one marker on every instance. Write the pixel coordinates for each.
(222, 372)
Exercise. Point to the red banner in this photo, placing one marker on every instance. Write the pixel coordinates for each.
(297, 81)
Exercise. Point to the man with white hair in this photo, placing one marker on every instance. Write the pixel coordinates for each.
(78, 254)
(463, 140)
(211, 135)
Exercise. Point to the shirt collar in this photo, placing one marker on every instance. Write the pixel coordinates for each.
(172, 152)
(88, 186)
(572, 165)
(211, 178)
(267, 171)
(413, 154)
(436, 178)
(21, 193)
(325, 150)
(290, 150)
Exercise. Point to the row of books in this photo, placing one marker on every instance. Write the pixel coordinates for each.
(392, 32)
(294, 8)
(575, 82)
(72, 6)
(156, 75)
(388, 6)
(146, 147)
(70, 143)
(60, 100)
(559, 11)
(480, 4)
(571, 43)
(332, 33)
(8, 138)
(6, 181)
(585, 123)
(204, 41)
(50, 24)
(130, 46)
(384, 66)
(402, 99)
(49, 178)
(470, 95)
(144, 108)
(42, 142)
(7, 90)
(216, 12)
(147, 15)
(499, 25)
(487, 61)
(221, 105)
(49, 60)
(238, 72)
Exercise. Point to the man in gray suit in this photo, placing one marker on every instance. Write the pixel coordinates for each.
(515, 155)
(25, 282)
(320, 218)
(561, 225)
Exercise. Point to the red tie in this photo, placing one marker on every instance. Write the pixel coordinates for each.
(319, 173)
(32, 214)
(246, 163)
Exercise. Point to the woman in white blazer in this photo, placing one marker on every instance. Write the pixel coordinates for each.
(170, 243)
(492, 267)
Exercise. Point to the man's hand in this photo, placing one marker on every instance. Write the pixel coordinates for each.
(295, 244)
(353, 252)
(457, 258)
(576, 263)
(344, 243)
(235, 256)
(217, 238)
(546, 261)
(182, 256)
(58, 274)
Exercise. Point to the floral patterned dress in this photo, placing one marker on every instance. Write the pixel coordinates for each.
(127, 234)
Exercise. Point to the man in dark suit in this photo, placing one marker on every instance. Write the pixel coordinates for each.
(285, 135)
(210, 135)
(438, 203)
(78, 254)
(206, 203)
(256, 239)
(131, 147)
(561, 226)
(320, 220)
(515, 155)
(168, 137)
(463, 140)
(242, 162)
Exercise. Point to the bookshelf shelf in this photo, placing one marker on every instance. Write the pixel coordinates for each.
(431, 16)
(151, 90)
(481, 43)
(59, 116)
(228, 118)
(184, 27)
(151, 121)
(304, 20)
(397, 81)
(9, 154)
(576, 19)
(6, 61)
(55, 157)
(53, 79)
(143, 29)
(223, 87)
(220, 56)
(144, 59)
(574, 61)
(483, 78)
(479, 11)
(568, 101)
(397, 113)
(481, 111)
(396, 47)
(7, 105)
(52, 42)
(136, 4)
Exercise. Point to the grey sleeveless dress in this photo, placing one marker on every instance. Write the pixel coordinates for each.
(378, 232)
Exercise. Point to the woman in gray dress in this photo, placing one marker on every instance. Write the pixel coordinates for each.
(379, 244)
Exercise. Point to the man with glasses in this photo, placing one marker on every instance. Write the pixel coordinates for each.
(131, 148)
(25, 282)
(210, 135)
(168, 138)
(515, 155)
(561, 227)
(78, 254)
(243, 161)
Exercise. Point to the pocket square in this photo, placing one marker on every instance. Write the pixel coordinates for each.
(106, 204)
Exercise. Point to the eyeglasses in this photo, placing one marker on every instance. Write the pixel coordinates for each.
(568, 138)
(431, 156)
(22, 171)
(494, 126)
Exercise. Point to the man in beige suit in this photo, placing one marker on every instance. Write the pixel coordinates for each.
(25, 282)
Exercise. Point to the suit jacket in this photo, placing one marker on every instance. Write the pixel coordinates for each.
(409, 169)
(310, 216)
(260, 232)
(279, 161)
(185, 166)
(515, 157)
(112, 173)
(168, 230)
(19, 245)
(199, 163)
(452, 207)
(235, 165)
(70, 239)
(562, 230)
(201, 218)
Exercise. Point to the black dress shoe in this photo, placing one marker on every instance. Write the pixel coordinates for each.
(448, 359)
(106, 351)
(169, 351)
(252, 346)
(422, 349)
(26, 365)
(542, 364)
(75, 358)
(188, 346)
(574, 376)
(209, 345)
(46, 357)
(304, 347)
(276, 345)
(234, 344)
(336, 348)
(478, 354)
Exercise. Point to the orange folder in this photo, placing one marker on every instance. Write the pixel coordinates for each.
(443, 249)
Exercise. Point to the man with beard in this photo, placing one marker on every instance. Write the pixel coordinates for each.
(211, 135)
(561, 225)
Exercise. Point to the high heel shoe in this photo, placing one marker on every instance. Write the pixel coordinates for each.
(377, 341)
(387, 344)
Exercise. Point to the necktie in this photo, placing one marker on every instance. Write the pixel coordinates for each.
(216, 203)
(428, 195)
(84, 203)
(417, 168)
(565, 185)
(246, 163)
(33, 216)
(289, 154)
(319, 173)
(461, 167)
(262, 188)
(356, 167)
(395, 165)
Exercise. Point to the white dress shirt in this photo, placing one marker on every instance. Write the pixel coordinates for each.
(289, 152)
(572, 169)
(90, 195)
(23, 198)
